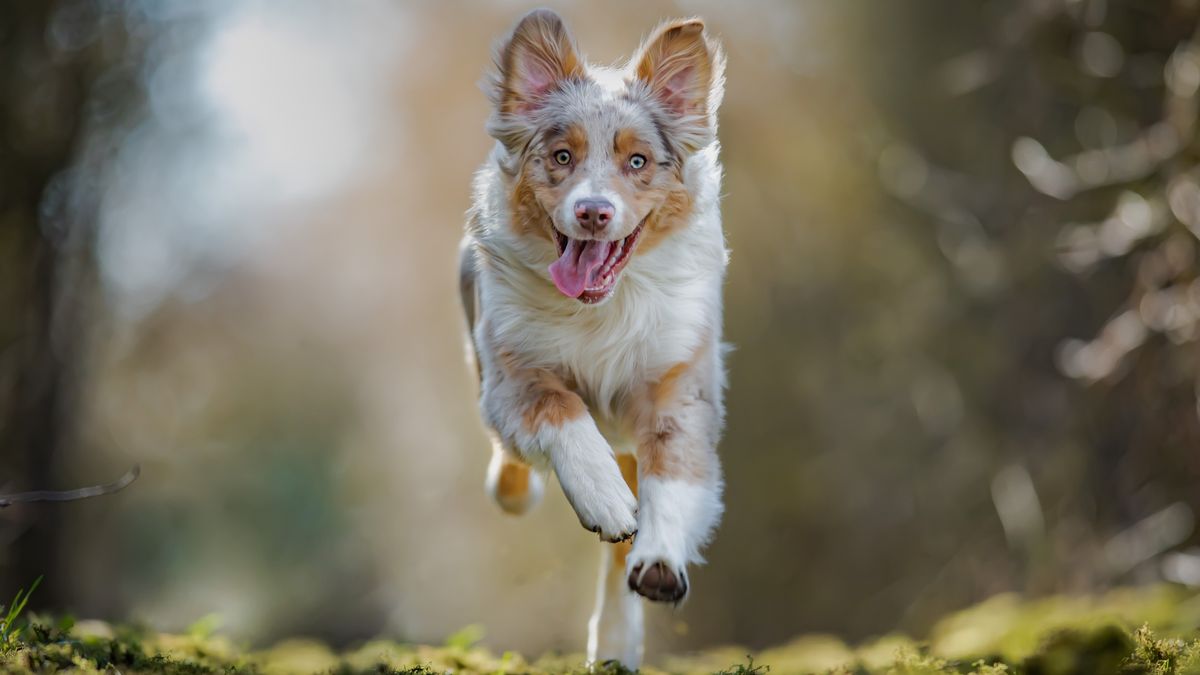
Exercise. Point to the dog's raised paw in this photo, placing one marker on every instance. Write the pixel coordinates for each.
(601, 499)
(614, 521)
(658, 582)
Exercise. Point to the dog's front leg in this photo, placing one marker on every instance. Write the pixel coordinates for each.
(588, 474)
(679, 479)
(537, 414)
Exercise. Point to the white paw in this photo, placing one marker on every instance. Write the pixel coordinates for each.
(600, 497)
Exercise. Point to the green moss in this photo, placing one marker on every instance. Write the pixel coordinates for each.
(1150, 631)
(1163, 656)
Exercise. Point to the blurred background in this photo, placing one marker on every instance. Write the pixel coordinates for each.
(963, 295)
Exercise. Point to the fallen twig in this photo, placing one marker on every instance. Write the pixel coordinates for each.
(71, 495)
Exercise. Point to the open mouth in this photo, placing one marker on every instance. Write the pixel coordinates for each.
(587, 269)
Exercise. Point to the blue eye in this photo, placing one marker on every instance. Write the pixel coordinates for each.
(563, 157)
(637, 161)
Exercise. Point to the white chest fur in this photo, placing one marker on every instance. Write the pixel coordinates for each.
(653, 322)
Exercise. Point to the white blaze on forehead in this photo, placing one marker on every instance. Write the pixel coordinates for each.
(612, 81)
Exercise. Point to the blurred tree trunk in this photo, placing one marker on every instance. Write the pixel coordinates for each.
(42, 91)
(1054, 128)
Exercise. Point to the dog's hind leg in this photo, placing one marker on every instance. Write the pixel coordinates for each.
(514, 485)
(615, 629)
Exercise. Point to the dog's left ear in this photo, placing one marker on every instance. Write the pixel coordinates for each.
(684, 70)
(539, 55)
(537, 58)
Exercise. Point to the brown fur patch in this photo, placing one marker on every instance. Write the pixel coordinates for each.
(513, 482)
(508, 361)
(548, 402)
(545, 398)
(662, 449)
(667, 219)
(575, 138)
(629, 471)
(660, 454)
(662, 391)
(628, 142)
(658, 395)
(528, 217)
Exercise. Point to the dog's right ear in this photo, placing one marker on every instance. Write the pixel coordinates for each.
(535, 59)
(683, 68)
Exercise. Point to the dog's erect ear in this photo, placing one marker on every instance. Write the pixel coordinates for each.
(538, 56)
(684, 70)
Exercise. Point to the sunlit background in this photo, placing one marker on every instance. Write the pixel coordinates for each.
(963, 296)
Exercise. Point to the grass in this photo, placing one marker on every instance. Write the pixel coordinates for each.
(1150, 631)
(8, 627)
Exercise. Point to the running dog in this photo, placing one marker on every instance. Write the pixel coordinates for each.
(591, 276)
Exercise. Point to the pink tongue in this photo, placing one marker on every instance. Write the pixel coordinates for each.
(576, 269)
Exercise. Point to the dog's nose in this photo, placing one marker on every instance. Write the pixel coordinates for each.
(594, 214)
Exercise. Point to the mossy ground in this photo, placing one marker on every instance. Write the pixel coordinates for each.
(1150, 630)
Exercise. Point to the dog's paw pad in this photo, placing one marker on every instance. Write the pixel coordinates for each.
(658, 582)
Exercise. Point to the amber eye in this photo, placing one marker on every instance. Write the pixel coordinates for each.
(563, 157)
(637, 161)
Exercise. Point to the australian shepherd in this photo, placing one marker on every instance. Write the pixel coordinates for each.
(591, 276)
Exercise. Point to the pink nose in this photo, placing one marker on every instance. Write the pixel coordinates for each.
(594, 214)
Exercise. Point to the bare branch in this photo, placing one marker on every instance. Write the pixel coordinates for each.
(71, 495)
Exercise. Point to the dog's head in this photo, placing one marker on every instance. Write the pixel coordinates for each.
(596, 156)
